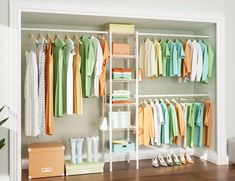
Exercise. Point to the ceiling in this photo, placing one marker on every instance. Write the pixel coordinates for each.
(102, 21)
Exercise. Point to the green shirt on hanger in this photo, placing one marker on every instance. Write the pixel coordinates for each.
(165, 56)
(180, 56)
(198, 127)
(210, 59)
(191, 108)
(87, 64)
(173, 123)
(58, 57)
(172, 64)
(165, 126)
(205, 68)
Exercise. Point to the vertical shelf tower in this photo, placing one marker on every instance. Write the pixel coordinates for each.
(135, 103)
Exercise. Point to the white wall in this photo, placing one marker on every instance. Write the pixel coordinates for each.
(4, 157)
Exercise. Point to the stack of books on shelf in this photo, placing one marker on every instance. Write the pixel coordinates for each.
(121, 74)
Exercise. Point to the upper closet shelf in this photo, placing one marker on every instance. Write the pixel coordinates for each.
(107, 32)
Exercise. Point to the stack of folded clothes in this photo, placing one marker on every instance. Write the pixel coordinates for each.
(121, 97)
(121, 73)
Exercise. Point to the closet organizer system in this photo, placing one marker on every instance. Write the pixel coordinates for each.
(137, 98)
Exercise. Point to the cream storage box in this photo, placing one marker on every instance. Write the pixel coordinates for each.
(121, 28)
(46, 159)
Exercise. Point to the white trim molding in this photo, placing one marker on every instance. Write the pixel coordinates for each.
(19, 6)
(205, 154)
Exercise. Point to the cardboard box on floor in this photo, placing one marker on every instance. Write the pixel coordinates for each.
(46, 159)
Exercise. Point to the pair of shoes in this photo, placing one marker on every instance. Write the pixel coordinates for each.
(155, 162)
(172, 160)
(158, 161)
(185, 158)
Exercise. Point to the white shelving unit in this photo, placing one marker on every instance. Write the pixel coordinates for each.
(127, 58)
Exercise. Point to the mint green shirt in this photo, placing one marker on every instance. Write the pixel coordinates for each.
(205, 68)
(58, 57)
(87, 52)
(210, 59)
(190, 125)
(165, 126)
(198, 121)
(180, 56)
(165, 56)
(173, 123)
(172, 64)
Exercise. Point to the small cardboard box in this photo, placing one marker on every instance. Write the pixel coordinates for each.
(121, 28)
(46, 159)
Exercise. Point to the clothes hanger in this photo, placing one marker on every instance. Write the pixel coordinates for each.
(56, 37)
(48, 38)
(40, 37)
(76, 39)
(66, 37)
(174, 101)
(30, 39)
(167, 101)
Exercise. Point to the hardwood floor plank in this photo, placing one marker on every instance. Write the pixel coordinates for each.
(200, 171)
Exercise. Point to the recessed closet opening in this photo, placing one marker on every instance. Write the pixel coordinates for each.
(87, 124)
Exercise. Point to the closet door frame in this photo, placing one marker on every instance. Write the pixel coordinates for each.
(19, 6)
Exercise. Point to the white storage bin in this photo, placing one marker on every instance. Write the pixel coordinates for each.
(121, 119)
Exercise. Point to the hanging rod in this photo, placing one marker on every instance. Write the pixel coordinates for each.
(174, 35)
(65, 30)
(106, 32)
(175, 95)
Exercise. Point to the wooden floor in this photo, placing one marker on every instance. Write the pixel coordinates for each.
(122, 171)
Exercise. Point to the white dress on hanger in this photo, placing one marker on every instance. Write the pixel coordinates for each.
(31, 94)
(70, 52)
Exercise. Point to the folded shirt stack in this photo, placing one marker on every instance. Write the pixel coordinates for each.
(121, 97)
(121, 73)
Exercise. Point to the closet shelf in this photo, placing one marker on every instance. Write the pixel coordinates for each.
(120, 105)
(121, 80)
(123, 129)
(123, 56)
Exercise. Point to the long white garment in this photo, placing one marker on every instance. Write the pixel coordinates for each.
(197, 61)
(98, 67)
(160, 122)
(147, 59)
(70, 52)
(31, 94)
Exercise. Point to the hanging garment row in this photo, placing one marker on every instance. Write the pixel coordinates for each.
(171, 122)
(190, 60)
(58, 74)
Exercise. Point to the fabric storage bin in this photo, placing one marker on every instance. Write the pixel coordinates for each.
(121, 119)
(121, 28)
(126, 146)
(46, 159)
(121, 49)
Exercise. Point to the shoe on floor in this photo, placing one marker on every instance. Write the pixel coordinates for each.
(161, 161)
(176, 159)
(155, 162)
(182, 159)
(188, 158)
(169, 160)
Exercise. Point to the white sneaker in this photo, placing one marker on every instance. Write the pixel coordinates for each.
(104, 124)
(155, 162)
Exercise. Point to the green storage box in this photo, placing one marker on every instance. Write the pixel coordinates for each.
(125, 146)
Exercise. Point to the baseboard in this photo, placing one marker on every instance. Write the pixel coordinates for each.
(144, 153)
(206, 154)
(4, 178)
